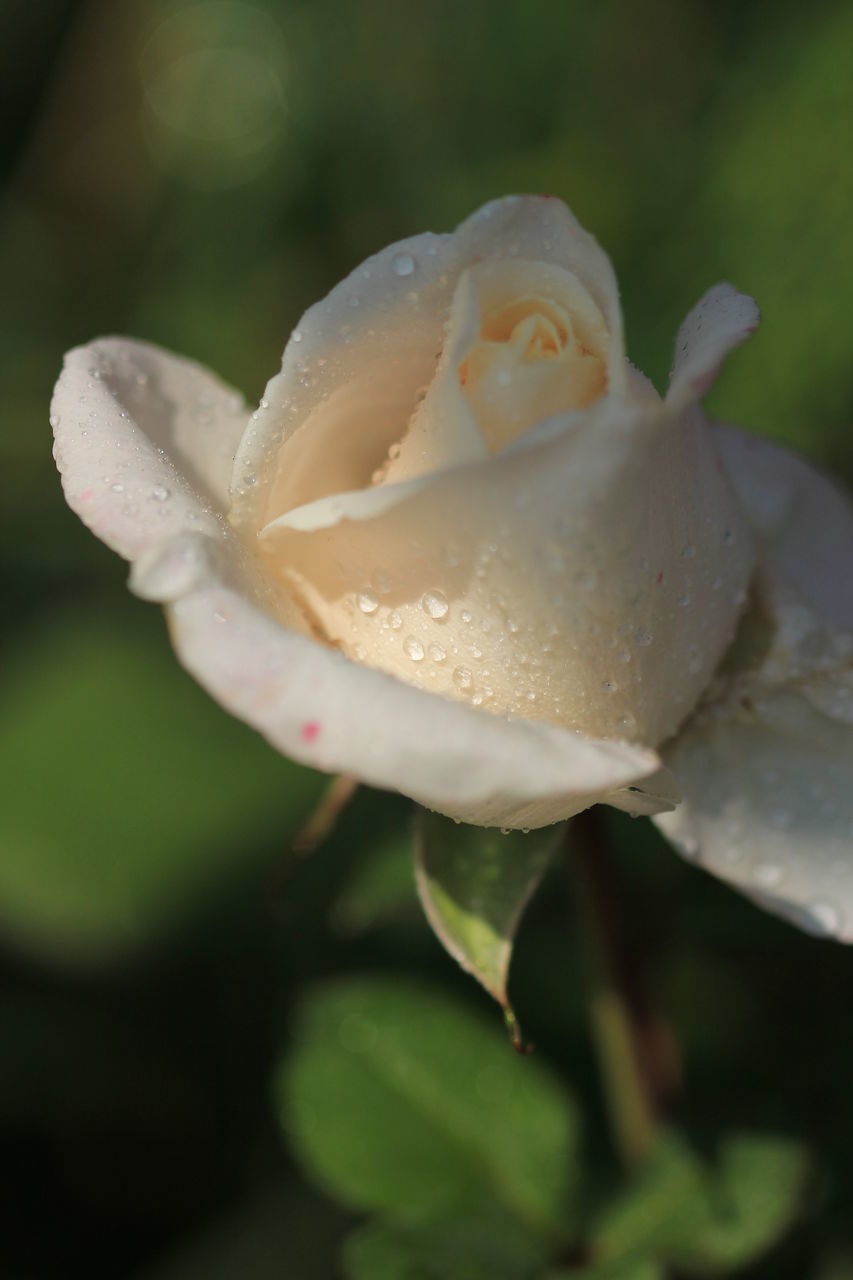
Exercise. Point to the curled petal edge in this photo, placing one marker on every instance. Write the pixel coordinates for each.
(318, 707)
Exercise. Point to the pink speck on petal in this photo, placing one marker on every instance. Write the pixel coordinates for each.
(310, 730)
(86, 495)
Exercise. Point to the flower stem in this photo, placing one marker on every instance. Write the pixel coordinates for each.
(638, 1064)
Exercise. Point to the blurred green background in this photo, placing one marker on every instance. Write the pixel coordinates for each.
(197, 174)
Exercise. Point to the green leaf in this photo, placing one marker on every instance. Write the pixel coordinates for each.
(757, 1194)
(128, 794)
(635, 1269)
(664, 1204)
(400, 1100)
(461, 1249)
(474, 884)
(706, 1221)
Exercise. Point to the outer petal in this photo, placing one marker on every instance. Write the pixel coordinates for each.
(352, 369)
(316, 706)
(768, 802)
(145, 442)
(766, 765)
(592, 574)
(721, 320)
(804, 521)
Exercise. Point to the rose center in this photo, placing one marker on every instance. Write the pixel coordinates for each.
(534, 358)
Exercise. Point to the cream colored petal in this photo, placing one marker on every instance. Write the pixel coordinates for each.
(487, 390)
(768, 801)
(592, 575)
(353, 368)
(804, 521)
(315, 705)
(721, 320)
(144, 442)
(443, 431)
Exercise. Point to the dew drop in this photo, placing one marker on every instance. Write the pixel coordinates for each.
(402, 264)
(296, 336)
(367, 602)
(54, 420)
(435, 604)
(159, 493)
(643, 638)
(462, 678)
(437, 652)
(395, 620)
(413, 648)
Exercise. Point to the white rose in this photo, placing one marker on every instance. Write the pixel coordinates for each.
(465, 551)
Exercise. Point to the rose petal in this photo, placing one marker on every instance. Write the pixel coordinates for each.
(768, 802)
(353, 367)
(443, 430)
(766, 764)
(503, 394)
(803, 518)
(144, 441)
(316, 706)
(591, 575)
(721, 320)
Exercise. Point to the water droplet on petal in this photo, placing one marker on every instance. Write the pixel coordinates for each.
(402, 264)
(462, 678)
(413, 648)
(159, 493)
(437, 652)
(366, 602)
(435, 604)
